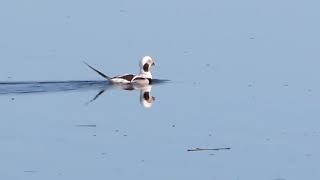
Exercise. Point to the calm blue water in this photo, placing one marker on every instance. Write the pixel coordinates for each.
(244, 75)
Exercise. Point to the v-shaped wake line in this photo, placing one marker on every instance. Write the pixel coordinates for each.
(26, 87)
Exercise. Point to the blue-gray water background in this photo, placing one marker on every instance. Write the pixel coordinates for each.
(244, 75)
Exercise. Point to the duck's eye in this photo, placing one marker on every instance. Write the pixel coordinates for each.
(146, 67)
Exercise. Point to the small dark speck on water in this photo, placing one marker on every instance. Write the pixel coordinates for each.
(208, 65)
(30, 171)
(252, 38)
(94, 135)
(117, 130)
(308, 155)
(12, 99)
(125, 135)
(173, 126)
(210, 135)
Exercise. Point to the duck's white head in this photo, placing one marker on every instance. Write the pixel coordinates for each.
(145, 66)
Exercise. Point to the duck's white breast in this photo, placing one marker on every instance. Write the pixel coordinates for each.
(120, 80)
(142, 81)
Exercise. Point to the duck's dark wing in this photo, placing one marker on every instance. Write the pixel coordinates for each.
(127, 77)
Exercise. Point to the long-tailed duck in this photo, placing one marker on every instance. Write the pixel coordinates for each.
(144, 77)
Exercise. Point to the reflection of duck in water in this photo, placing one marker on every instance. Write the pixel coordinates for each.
(146, 99)
(144, 77)
(21, 88)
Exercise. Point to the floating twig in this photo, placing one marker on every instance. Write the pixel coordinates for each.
(30, 171)
(86, 125)
(205, 149)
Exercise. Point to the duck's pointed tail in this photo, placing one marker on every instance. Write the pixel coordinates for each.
(100, 73)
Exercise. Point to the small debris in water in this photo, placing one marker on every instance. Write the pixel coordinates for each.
(117, 130)
(205, 149)
(173, 126)
(86, 125)
(208, 65)
(125, 135)
(12, 99)
(30, 171)
(308, 155)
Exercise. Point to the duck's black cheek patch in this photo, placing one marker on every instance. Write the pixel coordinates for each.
(146, 67)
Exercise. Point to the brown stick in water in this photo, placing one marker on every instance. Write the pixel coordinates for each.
(205, 149)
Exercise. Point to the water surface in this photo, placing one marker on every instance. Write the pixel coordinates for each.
(244, 76)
